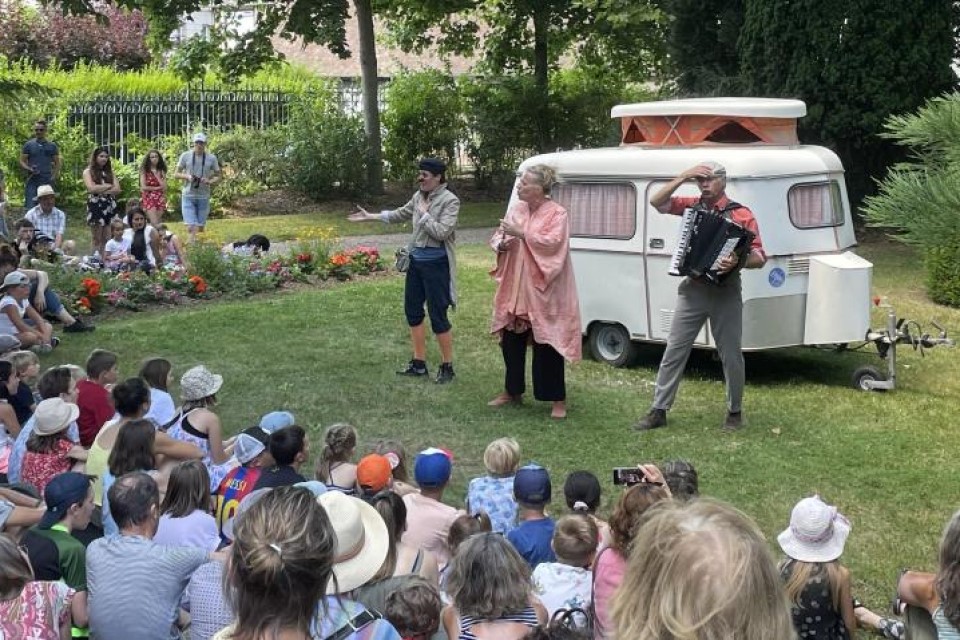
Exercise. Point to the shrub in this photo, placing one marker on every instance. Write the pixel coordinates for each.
(422, 117)
(942, 266)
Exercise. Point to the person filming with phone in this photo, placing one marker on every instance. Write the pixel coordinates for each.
(432, 266)
(199, 170)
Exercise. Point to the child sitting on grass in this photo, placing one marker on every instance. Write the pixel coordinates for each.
(533, 536)
(117, 250)
(49, 451)
(414, 609)
(567, 583)
(493, 493)
(334, 468)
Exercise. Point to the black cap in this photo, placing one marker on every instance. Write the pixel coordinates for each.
(435, 166)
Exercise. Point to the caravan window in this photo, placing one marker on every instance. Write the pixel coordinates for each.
(599, 210)
(816, 204)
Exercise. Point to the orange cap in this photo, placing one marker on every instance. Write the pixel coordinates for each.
(374, 472)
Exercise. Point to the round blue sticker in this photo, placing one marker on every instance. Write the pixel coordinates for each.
(777, 277)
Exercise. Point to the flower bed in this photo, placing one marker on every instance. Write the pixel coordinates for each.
(212, 274)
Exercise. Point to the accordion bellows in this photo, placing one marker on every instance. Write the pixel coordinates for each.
(706, 237)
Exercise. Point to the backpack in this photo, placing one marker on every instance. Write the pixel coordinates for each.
(364, 624)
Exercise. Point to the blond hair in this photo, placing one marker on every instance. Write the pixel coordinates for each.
(502, 457)
(339, 441)
(802, 572)
(701, 570)
(575, 540)
(21, 360)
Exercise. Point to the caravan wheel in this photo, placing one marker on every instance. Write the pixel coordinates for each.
(863, 375)
(611, 343)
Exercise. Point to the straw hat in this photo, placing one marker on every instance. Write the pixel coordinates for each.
(53, 415)
(198, 383)
(362, 540)
(817, 532)
(44, 190)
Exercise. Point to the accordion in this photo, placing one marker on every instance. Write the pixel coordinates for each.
(706, 238)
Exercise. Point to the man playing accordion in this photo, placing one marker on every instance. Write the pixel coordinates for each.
(698, 300)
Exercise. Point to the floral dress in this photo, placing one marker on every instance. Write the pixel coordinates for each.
(37, 613)
(101, 208)
(39, 468)
(153, 200)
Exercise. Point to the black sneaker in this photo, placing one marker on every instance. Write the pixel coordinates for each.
(414, 369)
(445, 374)
(78, 327)
(733, 421)
(655, 419)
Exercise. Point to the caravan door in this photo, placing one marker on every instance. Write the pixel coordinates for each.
(661, 233)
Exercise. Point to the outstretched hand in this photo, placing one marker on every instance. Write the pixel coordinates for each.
(360, 215)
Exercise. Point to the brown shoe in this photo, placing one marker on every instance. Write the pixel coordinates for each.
(733, 421)
(655, 419)
(504, 399)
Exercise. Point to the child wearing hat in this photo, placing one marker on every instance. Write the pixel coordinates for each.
(817, 585)
(374, 474)
(49, 451)
(15, 307)
(532, 537)
(429, 519)
(250, 450)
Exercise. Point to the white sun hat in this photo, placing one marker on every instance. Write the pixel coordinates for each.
(817, 532)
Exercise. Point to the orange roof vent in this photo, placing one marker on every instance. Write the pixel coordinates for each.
(679, 123)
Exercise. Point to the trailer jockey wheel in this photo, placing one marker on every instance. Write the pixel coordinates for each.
(611, 343)
(863, 376)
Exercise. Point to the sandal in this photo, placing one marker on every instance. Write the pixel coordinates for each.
(896, 604)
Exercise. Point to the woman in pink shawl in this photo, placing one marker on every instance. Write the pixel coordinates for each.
(536, 300)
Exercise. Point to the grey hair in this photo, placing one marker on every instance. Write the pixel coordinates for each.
(718, 169)
(544, 175)
(488, 579)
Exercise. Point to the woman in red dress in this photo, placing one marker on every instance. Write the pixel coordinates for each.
(153, 186)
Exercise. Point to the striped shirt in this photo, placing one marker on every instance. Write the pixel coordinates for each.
(135, 585)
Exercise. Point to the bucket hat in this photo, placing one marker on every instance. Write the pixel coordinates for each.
(817, 532)
(53, 415)
(198, 383)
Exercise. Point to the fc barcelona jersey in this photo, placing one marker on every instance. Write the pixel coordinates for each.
(234, 488)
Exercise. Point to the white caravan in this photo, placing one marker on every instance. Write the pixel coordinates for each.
(813, 290)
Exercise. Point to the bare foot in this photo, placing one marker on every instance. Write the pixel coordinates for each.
(503, 399)
(559, 410)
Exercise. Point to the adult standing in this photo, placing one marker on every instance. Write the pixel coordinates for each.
(153, 186)
(102, 191)
(199, 170)
(698, 301)
(536, 299)
(431, 275)
(40, 158)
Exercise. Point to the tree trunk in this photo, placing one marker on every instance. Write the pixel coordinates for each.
(541, 25)
(371, 108)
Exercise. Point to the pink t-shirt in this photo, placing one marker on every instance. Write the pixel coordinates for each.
(608, 574)
(428, 523)
(37, 613)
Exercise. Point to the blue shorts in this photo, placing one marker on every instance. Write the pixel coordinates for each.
(195, 211)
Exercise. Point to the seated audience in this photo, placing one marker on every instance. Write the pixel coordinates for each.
(29, 608)
(817, 585)
(461, 529)
(429, 519)
(196, 424)
(373, 475)
(493, 493)
(700, 569)
(19, 319)
(251, 452)
(289, 449)
(489, 584)
(44, 299)
(143, 239)
(681, 476)
(25, 369)
(93, 394)
(532, 536)
(276, 420)
(56, 382)
(582, 492)
(393, 451)
(334, 468)
(157, 373)
(69, 500)
(49, 451)
(116, 253)
(134, 451)
(568, 582)
(402, 558)
(362, 546)
(185, 519)
(129, 573)
(171, 248)
(414, 609)
(611, 563)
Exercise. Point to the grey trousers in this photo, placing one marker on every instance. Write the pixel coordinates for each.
(697, 302)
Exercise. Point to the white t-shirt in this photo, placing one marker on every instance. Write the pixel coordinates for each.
(561, 586)
(6, 325)
(162, 407)
(148, 233)
(121, 246)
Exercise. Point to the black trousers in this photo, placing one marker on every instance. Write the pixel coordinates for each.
(548, 374)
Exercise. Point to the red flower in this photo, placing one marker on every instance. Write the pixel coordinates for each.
(91, 286)
(84, 302)
(304, 257)
(198, 283)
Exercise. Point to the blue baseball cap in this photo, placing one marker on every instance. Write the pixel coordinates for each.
(531, 485)
(276, 420)
(61, 493)
(432, 467)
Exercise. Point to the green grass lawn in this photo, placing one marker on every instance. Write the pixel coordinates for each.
(888, 460)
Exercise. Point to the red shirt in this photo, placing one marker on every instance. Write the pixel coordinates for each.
(96, 407)
(740, 215)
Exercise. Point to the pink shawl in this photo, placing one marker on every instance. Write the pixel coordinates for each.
(535, 277)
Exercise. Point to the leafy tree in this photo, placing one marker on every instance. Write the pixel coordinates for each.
(702, 45)
(531, 36)
(919, 200)
(854, 63)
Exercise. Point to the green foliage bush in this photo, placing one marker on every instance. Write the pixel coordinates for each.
(422, 117)
(942, 265)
